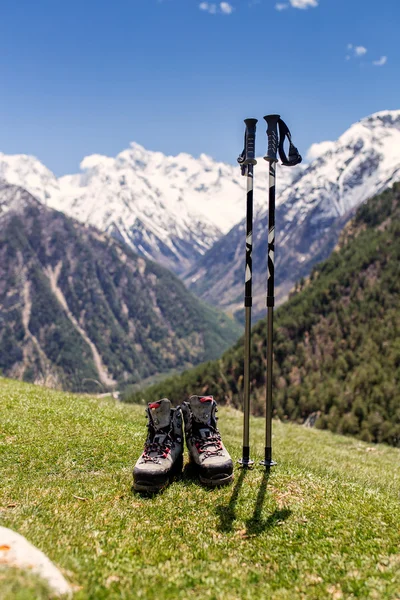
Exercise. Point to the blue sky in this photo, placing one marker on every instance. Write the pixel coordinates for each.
(83, 76)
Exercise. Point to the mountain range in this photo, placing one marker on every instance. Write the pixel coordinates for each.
(171, 209)
(188, 214)
(81, 311)
(311, 212)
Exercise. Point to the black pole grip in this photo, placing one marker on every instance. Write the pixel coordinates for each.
(250, 142)
(273, 138)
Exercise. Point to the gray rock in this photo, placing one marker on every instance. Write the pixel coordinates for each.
(17, 552)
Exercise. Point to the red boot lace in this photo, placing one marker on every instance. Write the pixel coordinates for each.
(161, 448)
(210, 445)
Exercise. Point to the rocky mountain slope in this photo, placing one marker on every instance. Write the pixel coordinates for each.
(188, 213)
(78, 307)
(337, 340)
(168, 208)
(310, 215)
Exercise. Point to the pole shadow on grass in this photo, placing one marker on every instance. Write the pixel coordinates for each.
(256, 524)
(227, 513)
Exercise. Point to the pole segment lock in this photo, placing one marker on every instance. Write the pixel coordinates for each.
(247, 161)
(277, 132)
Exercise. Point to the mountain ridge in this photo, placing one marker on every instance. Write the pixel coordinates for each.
(188, 213)
(167, 208)
(310, 215)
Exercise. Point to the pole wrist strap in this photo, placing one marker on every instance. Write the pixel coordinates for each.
(294, 155)
(241, 159)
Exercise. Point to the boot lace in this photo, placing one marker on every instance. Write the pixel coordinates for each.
(154, 445)
(210, 445)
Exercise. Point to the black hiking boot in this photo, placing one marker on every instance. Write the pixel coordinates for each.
(162, 457)
(206, 450)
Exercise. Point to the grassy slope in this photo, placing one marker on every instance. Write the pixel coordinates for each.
(325, 525)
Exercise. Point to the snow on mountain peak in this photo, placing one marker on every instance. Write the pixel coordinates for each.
(28, 172)
(173, 208)
(360, 164)
(385, 118)
(14, 199)
(310, 213)
(169, 208)
(96, 161)
(318, 149)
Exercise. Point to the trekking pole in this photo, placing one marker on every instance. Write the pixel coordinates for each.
(247, 161)
(275, 143)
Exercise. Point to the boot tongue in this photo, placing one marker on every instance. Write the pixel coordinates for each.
(202, 408)
(160, 413)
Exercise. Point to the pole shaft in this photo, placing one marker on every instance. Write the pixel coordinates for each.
(248, 304)
(271, 236)
(247, 160)
(246, 407)
(270, 307)
(249, 238)
(268, 420)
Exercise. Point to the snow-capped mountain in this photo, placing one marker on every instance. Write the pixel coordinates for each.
(30, 174)
(187, 213)
(14, 199)
(168, 208)
(364, 161)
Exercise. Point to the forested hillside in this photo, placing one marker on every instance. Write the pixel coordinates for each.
(337, 339)
(81, 311)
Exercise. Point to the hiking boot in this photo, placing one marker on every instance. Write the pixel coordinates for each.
(204, 442)
(162, 457)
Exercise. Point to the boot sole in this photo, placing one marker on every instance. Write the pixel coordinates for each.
(152, 488)
(149, 489)
(223, 480)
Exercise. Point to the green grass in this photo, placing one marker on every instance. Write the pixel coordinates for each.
(326, 524)
(19, 585)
